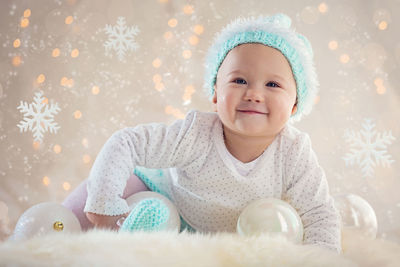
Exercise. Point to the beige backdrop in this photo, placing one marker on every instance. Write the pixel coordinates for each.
(61, 55)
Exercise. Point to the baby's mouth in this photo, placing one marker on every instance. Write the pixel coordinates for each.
(251, 111)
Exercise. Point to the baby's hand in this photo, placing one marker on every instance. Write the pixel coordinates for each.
(105, 221)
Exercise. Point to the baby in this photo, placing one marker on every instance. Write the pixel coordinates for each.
(260, 76)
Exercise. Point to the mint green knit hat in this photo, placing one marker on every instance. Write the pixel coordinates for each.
(273, 31)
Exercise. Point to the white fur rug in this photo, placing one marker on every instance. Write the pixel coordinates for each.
(106, 248)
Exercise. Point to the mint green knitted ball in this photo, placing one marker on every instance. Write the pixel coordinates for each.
(150, 214)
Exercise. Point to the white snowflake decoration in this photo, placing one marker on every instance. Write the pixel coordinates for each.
(121, 38)
(41, 119)
(368, 148)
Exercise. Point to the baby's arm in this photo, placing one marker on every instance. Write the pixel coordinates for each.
(308, 192)
(147, 145)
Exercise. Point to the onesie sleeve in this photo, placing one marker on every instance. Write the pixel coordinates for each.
(308, 192)
(153, 145)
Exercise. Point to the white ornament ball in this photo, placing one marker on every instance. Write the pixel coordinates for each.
(44, 218)
(357, 215)
(173, 223)
(273, 216)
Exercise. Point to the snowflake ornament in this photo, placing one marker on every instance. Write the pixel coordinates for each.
(41, 117)
(368, 148)
(121, 38)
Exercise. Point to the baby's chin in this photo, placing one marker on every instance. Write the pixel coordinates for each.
(252, 130)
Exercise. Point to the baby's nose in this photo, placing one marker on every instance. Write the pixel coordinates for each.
(253, 95)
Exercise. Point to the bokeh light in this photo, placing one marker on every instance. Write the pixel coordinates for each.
(381, 90)
(67, 82)
(172, 22)
(317, 99)
(64, 81)
(69, 20)
(187, 54)
(187, 96)
(378, 82)
(382, 25)
(41, 78)
(333, 45)
(66, 186)
(323, 8)
(75, 53)
(27, 13)
(46, 180)
(77, 114)
(24, 23)
(344, 58)
(95, 90)
(86, 159)
(168, 35)
(158, 85)
(157, 78)
(193, 40)
(188, 9)
(36, 145)
(85, 142)
(157, 63)
(57, 149)
(198, 29)
(17, 43)
(16, 61)
(56, 52)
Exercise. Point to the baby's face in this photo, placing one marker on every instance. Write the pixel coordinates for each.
(255, 92)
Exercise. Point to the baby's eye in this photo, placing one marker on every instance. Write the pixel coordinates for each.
(240, 81)
(272, 84)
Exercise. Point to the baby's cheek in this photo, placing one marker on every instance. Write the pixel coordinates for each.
(222, 99)
(285, 101)
(225, 104)
(280, 106)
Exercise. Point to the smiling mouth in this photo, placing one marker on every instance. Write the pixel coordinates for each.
(252, 112)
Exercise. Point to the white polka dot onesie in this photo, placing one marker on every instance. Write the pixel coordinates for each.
(207, 185)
